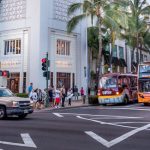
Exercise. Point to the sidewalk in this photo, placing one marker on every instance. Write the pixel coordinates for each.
(74, 104)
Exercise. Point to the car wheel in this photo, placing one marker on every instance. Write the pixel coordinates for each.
(2, 112)
(22, 116)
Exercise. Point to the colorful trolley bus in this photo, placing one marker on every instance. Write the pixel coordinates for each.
(117, 88)
(144, 83)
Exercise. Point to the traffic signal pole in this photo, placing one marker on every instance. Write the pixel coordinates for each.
(46, 74)
(47, 64)
(47, 78)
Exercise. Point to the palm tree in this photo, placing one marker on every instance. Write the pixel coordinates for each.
(135, 35)
(102, 10)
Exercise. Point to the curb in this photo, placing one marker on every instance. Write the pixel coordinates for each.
(61, 108)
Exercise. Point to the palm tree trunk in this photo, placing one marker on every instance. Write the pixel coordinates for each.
(99, 69)
(137, 48)
(132, 59)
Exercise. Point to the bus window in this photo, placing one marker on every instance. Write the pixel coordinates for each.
(144, 86)
(120, 81)
(108, 82)
(133, 81)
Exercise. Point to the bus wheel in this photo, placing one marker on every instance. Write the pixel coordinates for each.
(146, 104)
(126, 100)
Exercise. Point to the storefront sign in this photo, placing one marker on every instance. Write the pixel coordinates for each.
(63, 64)
(9, 64)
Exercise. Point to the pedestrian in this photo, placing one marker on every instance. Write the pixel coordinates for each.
(57, 98)
(82, 95)
(63, 95)
(34, 98)
(50, 93)
(39, 103)
(69, 96)
(76, 93)
(30, 88)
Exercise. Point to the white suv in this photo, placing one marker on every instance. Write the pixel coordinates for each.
(12, 105)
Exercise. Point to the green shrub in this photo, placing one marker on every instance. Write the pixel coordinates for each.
(93, 100)
(24, 95)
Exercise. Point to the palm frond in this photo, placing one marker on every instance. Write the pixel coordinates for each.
(74, 21)
(73, 8)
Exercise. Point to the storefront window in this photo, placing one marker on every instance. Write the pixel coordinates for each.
(63, 47)
(13, 82)
(12, 47)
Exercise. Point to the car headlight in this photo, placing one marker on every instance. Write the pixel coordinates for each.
(15, 104)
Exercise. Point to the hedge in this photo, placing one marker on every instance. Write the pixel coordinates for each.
(93, 100)
(24, 95)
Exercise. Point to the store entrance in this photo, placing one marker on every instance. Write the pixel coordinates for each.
(13, 82)
(63, 79)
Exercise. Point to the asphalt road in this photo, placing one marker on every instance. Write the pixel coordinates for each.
(86, 128)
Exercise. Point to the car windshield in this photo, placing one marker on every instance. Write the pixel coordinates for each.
(144, 86)
(5, 93)
(108, 82)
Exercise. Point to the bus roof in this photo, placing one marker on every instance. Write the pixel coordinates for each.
(119, 74)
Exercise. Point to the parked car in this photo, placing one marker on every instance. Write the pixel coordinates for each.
(11, 105)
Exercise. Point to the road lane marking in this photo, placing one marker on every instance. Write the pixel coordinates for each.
(58, 115)
(107, 123)
(28, 142)
(121, 138)
(131, 122)
(123, 117)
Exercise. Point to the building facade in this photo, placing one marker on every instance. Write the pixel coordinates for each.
(29, 29)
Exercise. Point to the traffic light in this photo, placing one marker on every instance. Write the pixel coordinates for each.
(5, 74)
(46, 74)
(44, 64)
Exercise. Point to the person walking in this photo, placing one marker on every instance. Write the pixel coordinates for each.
(76, 93)
(69, 96)
(30, 88)
(39, 103)
(82, 95)
(57, 98)
(34, 98)
(50, 93)
(63, 93)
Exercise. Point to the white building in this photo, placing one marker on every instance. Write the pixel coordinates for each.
(30, 28)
